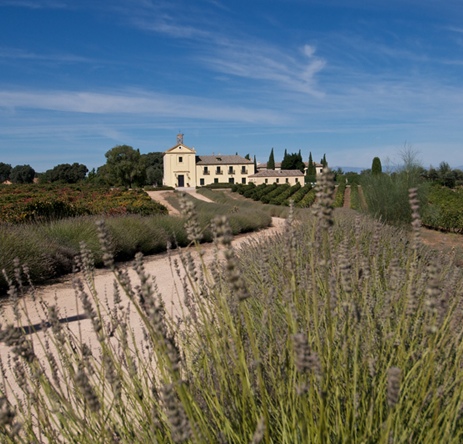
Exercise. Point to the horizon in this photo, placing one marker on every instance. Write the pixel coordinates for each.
(347, 79)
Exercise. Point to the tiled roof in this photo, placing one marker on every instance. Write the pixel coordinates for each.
(222, 160)
(264, 165)
(278, 165)
(278, 173)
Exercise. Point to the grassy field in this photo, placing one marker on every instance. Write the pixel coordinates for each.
(342, 329)
(49, 247)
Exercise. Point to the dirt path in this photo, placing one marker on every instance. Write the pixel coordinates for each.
(347, 197)
(160, 196)
(158, 266)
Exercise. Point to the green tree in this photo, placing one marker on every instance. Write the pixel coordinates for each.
(123, 167)
(248, 156)
(22, 174)
(154, 168)
(271, 161)
(255, 164)
(293, 161)
(5, 171)
(387, 195)
(323, 161)
(447, 177)
(432, 174)
(311, 175)
(65, 173)
(376, 167)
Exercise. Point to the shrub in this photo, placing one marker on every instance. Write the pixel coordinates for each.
(219, 185)
(283, 198)
(263, 190)
(308, 199)
(445, 209)
(133, 234)
(386, 195)
(274, 193)
(158, 188)
(298, 195)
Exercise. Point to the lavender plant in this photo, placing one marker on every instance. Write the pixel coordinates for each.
(340, 329)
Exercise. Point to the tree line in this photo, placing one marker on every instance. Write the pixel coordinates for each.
(442, 175)
(125, 166)
(293, 161)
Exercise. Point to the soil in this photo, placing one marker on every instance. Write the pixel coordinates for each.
(448, 243)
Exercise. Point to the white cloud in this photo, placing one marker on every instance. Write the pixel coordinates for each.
(134, 102)
(455, 29)
(15, 53)
(308, 50)
(265, 62)
(220, 49)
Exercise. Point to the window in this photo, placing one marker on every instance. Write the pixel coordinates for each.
(243, 180)
(216, 180)
(231, 180)
(287, 180)
(230, 170)
(201, 182)
(180, 159)
(243, 170)
(266, 180)
(297, 179)
(278, 180)
(206, 170)
(218, 170)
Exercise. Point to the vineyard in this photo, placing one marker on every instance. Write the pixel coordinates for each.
(301, 196)
(27, 203)
(445, 209)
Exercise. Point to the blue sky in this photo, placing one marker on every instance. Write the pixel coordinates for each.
(352, 79)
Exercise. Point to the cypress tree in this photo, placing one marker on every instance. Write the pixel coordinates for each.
(271, 161)
(310, 165)
(376, 167)
(311, 170)
(323, 161)
(286, 162)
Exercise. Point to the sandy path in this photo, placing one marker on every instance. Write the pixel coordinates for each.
(347, 197)
(159, 266)
(160, 196)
